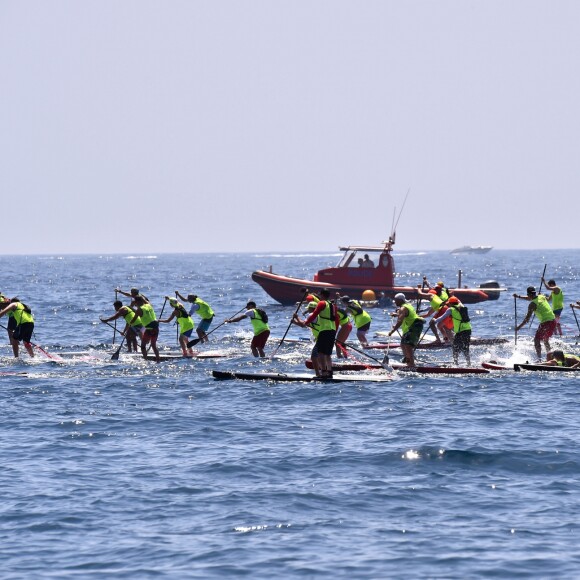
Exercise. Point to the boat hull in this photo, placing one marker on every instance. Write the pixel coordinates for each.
(288, 290)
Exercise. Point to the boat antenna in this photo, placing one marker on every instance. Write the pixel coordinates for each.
(396, 223)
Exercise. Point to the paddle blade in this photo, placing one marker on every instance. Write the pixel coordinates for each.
(115, 355)
(193, 342)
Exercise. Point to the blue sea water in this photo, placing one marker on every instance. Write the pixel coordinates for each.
(133, 469)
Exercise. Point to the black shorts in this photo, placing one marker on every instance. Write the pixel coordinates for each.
(461, 342)
(325, 341)
(24, 331)
(413, 335)
(11, 323)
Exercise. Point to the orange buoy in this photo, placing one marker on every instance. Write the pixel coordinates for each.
(368, 295)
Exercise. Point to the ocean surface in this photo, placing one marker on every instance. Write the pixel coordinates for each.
(132, 469)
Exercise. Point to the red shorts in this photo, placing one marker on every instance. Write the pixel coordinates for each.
(343, 332)
(448, 322)
(259, 340)
(545, 330)
(150, 335)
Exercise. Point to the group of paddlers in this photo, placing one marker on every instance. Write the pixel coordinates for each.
(330, 321)
(141, 320)
(330, 324)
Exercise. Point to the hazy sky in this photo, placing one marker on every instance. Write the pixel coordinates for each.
(164, 126)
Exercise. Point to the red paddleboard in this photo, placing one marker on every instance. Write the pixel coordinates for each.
(494, 366)
(349, 366)
(426, 345)
(400, 367)
(441, 370)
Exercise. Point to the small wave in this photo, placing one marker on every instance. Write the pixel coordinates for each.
(513, 461)
(140, 258)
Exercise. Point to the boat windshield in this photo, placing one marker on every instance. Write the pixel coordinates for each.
(360, 257)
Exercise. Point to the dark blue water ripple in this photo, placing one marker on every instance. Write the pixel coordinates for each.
(137, 470)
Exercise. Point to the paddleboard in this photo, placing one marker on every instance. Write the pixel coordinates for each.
(440, 370)
(541, 367)
(494, 366)
(429, 345)
(300, 377)
(198, 356)
(348, 366)
(400, 367)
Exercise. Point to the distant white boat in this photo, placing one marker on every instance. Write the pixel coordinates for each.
(471, 250)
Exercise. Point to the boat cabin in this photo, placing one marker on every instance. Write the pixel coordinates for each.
(370, 266)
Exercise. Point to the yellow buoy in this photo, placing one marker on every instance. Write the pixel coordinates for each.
(368, 295)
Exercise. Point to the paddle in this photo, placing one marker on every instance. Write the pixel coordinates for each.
(196, 340)
(107, 323)
(575, 317)
(39, 348)
(304, 292)
(118, 351)
(420, 298)
(115, 327)
(515, 320)
(386, 366)
(386, 357)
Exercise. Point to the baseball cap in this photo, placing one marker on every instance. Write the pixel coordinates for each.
(400, 296)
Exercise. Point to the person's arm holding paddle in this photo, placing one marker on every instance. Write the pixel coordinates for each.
(529, 313)
(169, 318)
(400, 315)
(120, 313)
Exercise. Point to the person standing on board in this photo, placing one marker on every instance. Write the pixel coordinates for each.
(462, 327)
(344, 329)
(438, 308)
(362, 319)
(539, 306)
(185, 323)
(259, 320)
(204, 311)
(145, 312)
(133, 328)
(557, 299)
(411, 325)
(23, 325)
(326, 317)
(133, 293)
(5, 301)
(314, 327)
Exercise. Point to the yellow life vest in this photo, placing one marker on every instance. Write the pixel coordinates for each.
(22, 314)
(258, 324)
(411, 317)
(543, 310)
(326, 317)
